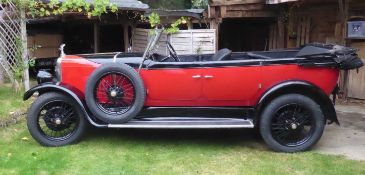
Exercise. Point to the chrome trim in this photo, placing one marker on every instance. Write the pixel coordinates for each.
(115, 57)
(196, 76)
(185, 123)
(62, 46)
(192, 107)
(58, 69)
(182, 126)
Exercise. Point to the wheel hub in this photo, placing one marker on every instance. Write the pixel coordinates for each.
(57, 121)
(54, 120)
(115, 92)
(294, 126)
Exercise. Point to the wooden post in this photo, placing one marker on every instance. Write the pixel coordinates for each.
(126, 37)
(281, 35)
(1, 76)
(96, 37)
(23, 28)
(190, 24)
(214, 24)
(343, 15)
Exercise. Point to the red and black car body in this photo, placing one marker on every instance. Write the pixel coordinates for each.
(225, 90)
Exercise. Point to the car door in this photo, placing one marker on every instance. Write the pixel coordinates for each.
(232, 81)
(171, 82)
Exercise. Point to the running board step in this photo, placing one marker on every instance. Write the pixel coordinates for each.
(185, 123)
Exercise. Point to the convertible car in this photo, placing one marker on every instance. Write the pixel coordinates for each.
(282, 93)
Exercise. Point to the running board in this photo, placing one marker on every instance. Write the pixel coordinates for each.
(185, 123)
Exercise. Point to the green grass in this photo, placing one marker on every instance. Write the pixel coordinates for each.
(161, 152)
(10, 101)
(158, 152)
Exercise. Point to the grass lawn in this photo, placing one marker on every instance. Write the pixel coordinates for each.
(10, 101)
(160, 152)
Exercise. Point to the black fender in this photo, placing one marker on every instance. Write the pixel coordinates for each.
(303, 88)
(64, 89)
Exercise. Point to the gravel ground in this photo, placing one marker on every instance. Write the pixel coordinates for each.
(347, 139)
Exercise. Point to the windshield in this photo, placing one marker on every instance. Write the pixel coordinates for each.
(152, 43)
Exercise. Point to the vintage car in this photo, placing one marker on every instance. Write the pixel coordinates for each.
(282, 93)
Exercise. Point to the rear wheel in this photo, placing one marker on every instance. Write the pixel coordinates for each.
(115, 93)
(292, 123)
(55, 119)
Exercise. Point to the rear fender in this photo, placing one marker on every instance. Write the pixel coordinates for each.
(51, 87)
(303, 88)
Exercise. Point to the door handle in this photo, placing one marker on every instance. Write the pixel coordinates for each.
(196, 76)
(208, 76)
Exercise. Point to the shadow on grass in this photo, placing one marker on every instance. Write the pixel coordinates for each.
(213, 137)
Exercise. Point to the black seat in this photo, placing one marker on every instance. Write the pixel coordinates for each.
(223, 54)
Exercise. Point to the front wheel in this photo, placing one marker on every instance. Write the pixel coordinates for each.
(55, 119)
(292, 123)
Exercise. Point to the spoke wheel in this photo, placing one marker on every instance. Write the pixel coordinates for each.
(114, 93)
(57, 120)
(292, 125)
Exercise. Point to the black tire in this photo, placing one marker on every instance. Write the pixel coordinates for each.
(52, 103)
(292, 123)
(104, 113)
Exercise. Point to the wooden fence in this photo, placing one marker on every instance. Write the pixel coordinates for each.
(356, 86)
(198, 41)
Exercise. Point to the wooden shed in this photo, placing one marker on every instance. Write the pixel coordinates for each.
(108, 33)
(246, 25)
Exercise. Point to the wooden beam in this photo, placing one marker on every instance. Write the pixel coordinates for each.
(96, 37)
(223, 11)
(211, 12)
(23, 29)
(126, 37)
(241, 14)
(280, 35)
(215, 24)
(245, 7)
(234, 2)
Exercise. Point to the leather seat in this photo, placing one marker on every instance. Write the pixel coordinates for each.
(223, 54)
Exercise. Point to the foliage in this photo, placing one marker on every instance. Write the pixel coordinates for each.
(54, 7)
(199, 4)
(155, 21)
(174, 27)
(20, 65)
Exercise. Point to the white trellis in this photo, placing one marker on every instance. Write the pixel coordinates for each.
(13, 41)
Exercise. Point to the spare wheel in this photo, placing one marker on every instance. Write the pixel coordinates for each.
(115, 93)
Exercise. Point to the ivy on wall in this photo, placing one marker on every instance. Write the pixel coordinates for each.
(40, 8)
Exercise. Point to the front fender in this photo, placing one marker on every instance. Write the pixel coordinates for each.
(303, 88)
(64, 89)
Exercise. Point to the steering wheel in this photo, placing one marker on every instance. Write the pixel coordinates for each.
(172, 52)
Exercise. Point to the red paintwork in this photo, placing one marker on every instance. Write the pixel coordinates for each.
(229, 86)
